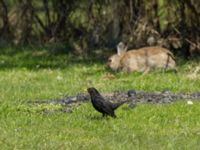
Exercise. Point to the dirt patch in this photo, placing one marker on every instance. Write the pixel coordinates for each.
(163, 97)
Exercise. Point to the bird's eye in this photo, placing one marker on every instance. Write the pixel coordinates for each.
(109, 60)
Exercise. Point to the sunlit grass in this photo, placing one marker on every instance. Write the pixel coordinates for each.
(40, 75)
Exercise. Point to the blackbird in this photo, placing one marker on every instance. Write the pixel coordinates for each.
(101, 105)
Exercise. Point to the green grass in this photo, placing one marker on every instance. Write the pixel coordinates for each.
(37, 74)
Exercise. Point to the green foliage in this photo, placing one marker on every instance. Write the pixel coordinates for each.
(38, 75)
(101, 23)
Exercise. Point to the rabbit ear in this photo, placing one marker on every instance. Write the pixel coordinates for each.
(121, 48)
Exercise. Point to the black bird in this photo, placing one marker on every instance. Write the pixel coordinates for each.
(101, 105)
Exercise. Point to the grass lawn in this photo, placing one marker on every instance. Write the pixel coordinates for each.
(38, 74)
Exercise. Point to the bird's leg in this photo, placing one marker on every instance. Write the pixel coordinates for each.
(114, 116)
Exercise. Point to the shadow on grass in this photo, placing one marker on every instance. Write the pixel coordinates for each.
(45, 58)
(57, 57)
(98, 117)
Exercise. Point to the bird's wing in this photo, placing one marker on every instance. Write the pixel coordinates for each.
(102, 105)
(107, 109)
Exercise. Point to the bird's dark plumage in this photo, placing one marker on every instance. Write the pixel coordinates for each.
(101, 105)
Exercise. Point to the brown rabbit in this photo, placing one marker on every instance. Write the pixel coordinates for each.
(142, 60)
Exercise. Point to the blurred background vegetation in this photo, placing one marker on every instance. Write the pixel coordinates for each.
(84, 25)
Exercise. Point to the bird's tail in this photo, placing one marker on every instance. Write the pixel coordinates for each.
(116, 105)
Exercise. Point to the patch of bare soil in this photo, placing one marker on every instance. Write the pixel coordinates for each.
(163, 97)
